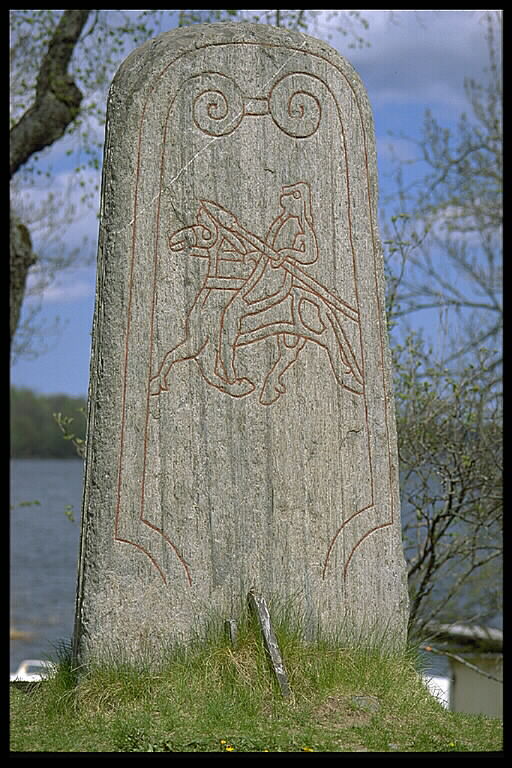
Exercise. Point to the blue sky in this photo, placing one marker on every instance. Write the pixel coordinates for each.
(416, 60)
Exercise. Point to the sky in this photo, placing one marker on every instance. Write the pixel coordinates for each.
(416, 60)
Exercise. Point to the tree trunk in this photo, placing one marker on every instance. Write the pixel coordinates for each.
(22, 258)
(57, 100)
(57, 103)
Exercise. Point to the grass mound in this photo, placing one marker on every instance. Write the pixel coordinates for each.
(211, 697)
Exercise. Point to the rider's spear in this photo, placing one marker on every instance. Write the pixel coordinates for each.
(228, 221)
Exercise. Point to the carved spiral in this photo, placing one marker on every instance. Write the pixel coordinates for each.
(218, 105)
(295, 105)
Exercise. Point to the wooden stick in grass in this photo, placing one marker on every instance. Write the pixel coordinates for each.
(258, 605)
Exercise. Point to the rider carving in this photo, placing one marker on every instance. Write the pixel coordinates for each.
(254, 290)
(291, 236)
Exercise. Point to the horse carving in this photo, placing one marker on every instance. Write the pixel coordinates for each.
(257, 289)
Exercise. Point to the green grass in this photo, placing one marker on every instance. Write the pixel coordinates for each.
(212, 698)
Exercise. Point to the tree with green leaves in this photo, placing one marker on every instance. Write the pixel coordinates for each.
(450, 440)
(445, 237)
(444, 253)
(56, 77)
(39, 422)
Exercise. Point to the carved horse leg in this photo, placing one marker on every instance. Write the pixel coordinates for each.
(186, 350)
(207, 362)
(205, 357)
(229, 331)
(198, 345)
(196, 339)
(313, 321)
(288, 349)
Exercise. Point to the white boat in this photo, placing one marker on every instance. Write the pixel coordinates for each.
(439, 687)
(33, 671)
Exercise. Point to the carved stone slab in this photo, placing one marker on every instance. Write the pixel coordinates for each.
(241, 425)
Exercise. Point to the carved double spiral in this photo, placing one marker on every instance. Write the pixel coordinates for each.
(294, 104)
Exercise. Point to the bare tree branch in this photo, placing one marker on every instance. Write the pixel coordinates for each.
(465, 662)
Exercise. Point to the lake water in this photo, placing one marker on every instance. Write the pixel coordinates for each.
(43, 555)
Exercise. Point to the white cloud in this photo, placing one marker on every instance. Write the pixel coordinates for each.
(420, 57)
(72, 284)
(69, 291)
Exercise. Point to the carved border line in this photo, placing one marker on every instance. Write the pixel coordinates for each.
(237, 120)
(130, 298)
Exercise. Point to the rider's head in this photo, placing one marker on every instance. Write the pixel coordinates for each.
(296, 200)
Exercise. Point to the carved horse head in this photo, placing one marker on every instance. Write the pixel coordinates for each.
(197, 238)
